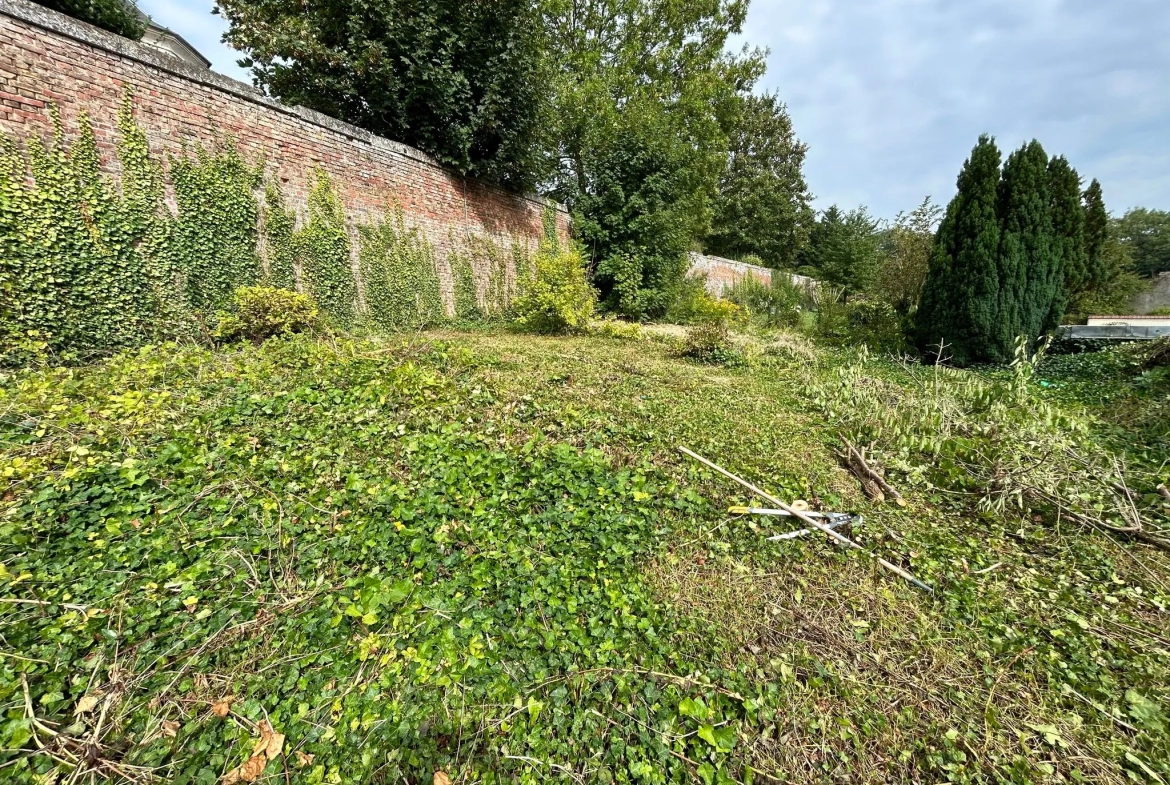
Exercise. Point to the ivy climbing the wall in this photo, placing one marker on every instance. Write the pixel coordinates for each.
(91, 265)
(213, 241)
(322, 248)
(69, 268)
(464, 291)
(399, 274)
(279, 230)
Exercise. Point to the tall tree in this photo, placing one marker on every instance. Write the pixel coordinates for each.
(1030, 274)
(906, 250)
(1146, 233)
(763, 203)
(1068, 236)
(1098, 267)
(117, 16)
(645, 93)
(462, 81)
(843, 249)
(959, 307)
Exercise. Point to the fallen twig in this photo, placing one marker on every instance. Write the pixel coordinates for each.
(810, 521)
(873, 475)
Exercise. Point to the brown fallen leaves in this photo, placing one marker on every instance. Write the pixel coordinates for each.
(222, 706)
(270, 745)
(441, 778)
(87, 704)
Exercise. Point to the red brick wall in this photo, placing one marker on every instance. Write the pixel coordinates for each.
(46, 57)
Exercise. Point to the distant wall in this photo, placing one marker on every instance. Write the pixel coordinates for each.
(46, 57)
(722, 273)
(1156, 298)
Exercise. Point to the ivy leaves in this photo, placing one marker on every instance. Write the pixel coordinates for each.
(88, 266)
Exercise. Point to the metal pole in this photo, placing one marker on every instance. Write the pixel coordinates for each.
(810, 521)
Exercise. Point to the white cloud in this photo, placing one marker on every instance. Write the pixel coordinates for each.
(892, 94)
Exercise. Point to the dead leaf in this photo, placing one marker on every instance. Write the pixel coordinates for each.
(441, 778)
(170, 728)
(249, 771)
(304, 759)
(222, 706)
(270, 743)
(87, 704)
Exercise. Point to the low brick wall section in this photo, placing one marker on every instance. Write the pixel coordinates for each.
(722, 273)
(46, 57)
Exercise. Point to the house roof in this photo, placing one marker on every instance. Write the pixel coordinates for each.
(166, 40)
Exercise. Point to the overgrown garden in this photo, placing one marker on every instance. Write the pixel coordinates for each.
(279, 508)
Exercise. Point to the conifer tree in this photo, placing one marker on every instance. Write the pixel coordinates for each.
(1097, 265)
(1068, 226)
(1030, 274)
(959, 304)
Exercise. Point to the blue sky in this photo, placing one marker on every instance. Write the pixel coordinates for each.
(890, 95)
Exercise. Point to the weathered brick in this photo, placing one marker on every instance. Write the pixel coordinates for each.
(176, 105)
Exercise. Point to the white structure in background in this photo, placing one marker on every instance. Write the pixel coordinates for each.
(164, 40)
(1131, 321)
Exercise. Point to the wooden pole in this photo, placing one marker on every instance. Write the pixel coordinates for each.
(810, 521)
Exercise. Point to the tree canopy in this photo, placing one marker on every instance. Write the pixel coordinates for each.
(645, 97)
(763, 204)
(117, 16)
(463, 82)
(843, 249)
(959, 305)
(1146, 233)
(906, 249)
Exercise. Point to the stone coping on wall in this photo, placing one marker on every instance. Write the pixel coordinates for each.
(47, 19)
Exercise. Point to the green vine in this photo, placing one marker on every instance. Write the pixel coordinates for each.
(464, 291)
(71, 270)
(213, 241)
(322, 247)
(399, 274)
(279, 230)
(91, 265)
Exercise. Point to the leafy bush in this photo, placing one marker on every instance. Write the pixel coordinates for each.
(778, 304)
(617, 329)
(709, 342)
(691, 304)
(261, 312)
(117, 16)
(873, 323)
(876, 324)
(556, 298)
(685, 300)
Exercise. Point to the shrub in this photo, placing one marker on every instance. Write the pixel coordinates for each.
(778, 304)
(260, 312)
(556, 298)
(117, 16)
(616, 329)
(876, 324)
(708, 342)
(685, 300)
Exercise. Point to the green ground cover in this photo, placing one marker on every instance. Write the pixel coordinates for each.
(481, 554)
